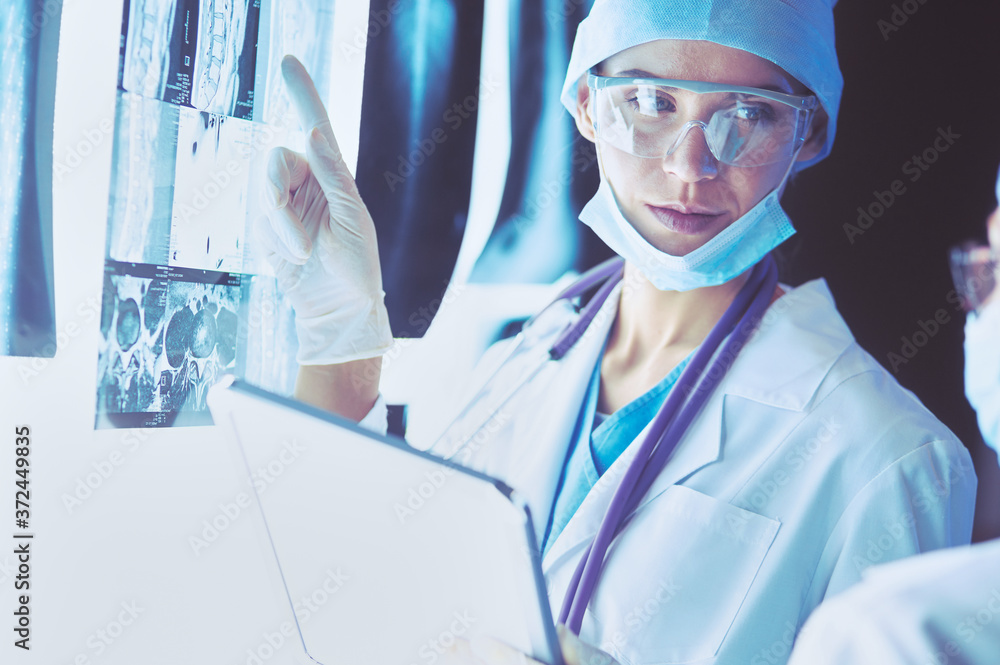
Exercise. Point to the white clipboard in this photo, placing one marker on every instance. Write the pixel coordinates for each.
(407, 550)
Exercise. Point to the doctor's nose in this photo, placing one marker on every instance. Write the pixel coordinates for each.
(691, 159)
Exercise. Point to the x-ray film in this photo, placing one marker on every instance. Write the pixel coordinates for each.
(143, 166)
(200, 54)
(186, 299)
(210, 191)
(27, 103)
(167, 335)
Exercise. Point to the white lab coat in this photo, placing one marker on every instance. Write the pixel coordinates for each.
(937, 609)
(807, 464)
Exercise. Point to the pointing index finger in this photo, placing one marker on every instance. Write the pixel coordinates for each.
(306, 100)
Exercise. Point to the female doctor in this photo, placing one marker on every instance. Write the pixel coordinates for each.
(694, 500)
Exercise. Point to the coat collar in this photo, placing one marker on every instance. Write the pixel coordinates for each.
(799, 338)
(802, 328)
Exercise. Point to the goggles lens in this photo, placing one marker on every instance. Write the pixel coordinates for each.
(748, 127)
(974, 270)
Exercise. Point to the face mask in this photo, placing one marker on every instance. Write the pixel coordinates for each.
(982, 370)
(729, 254)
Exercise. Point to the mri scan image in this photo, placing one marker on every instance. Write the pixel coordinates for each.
(165, 341)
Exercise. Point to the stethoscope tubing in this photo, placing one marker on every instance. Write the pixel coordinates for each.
(675, 416)
(683, 404)
(612, 272)
(608, 274)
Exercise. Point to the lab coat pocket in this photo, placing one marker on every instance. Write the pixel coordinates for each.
(677, 576)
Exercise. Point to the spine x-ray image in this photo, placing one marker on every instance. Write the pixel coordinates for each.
(192, 53)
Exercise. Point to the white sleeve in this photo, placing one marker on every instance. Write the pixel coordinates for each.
(931, 608)
(921, 502)
(377, 420)
(842, 631)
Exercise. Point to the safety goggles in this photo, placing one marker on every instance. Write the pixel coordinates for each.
(974, 269)
(749, 126)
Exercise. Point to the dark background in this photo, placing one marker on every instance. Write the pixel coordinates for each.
(940, 69)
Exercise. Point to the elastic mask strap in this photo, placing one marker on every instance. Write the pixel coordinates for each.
(788, 172)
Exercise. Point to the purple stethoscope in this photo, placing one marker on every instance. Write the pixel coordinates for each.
(685, 400)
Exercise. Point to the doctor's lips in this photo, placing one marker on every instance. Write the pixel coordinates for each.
(688, 220)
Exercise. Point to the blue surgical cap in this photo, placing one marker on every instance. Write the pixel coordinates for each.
(796, 35)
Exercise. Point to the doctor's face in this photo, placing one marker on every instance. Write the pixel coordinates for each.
(680, 201)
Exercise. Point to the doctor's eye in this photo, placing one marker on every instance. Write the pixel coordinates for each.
(649, 102)
(750, 113)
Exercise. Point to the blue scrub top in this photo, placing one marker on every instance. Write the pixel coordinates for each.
(598, 441)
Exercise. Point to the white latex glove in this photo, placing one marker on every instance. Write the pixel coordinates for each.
(320, 240)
